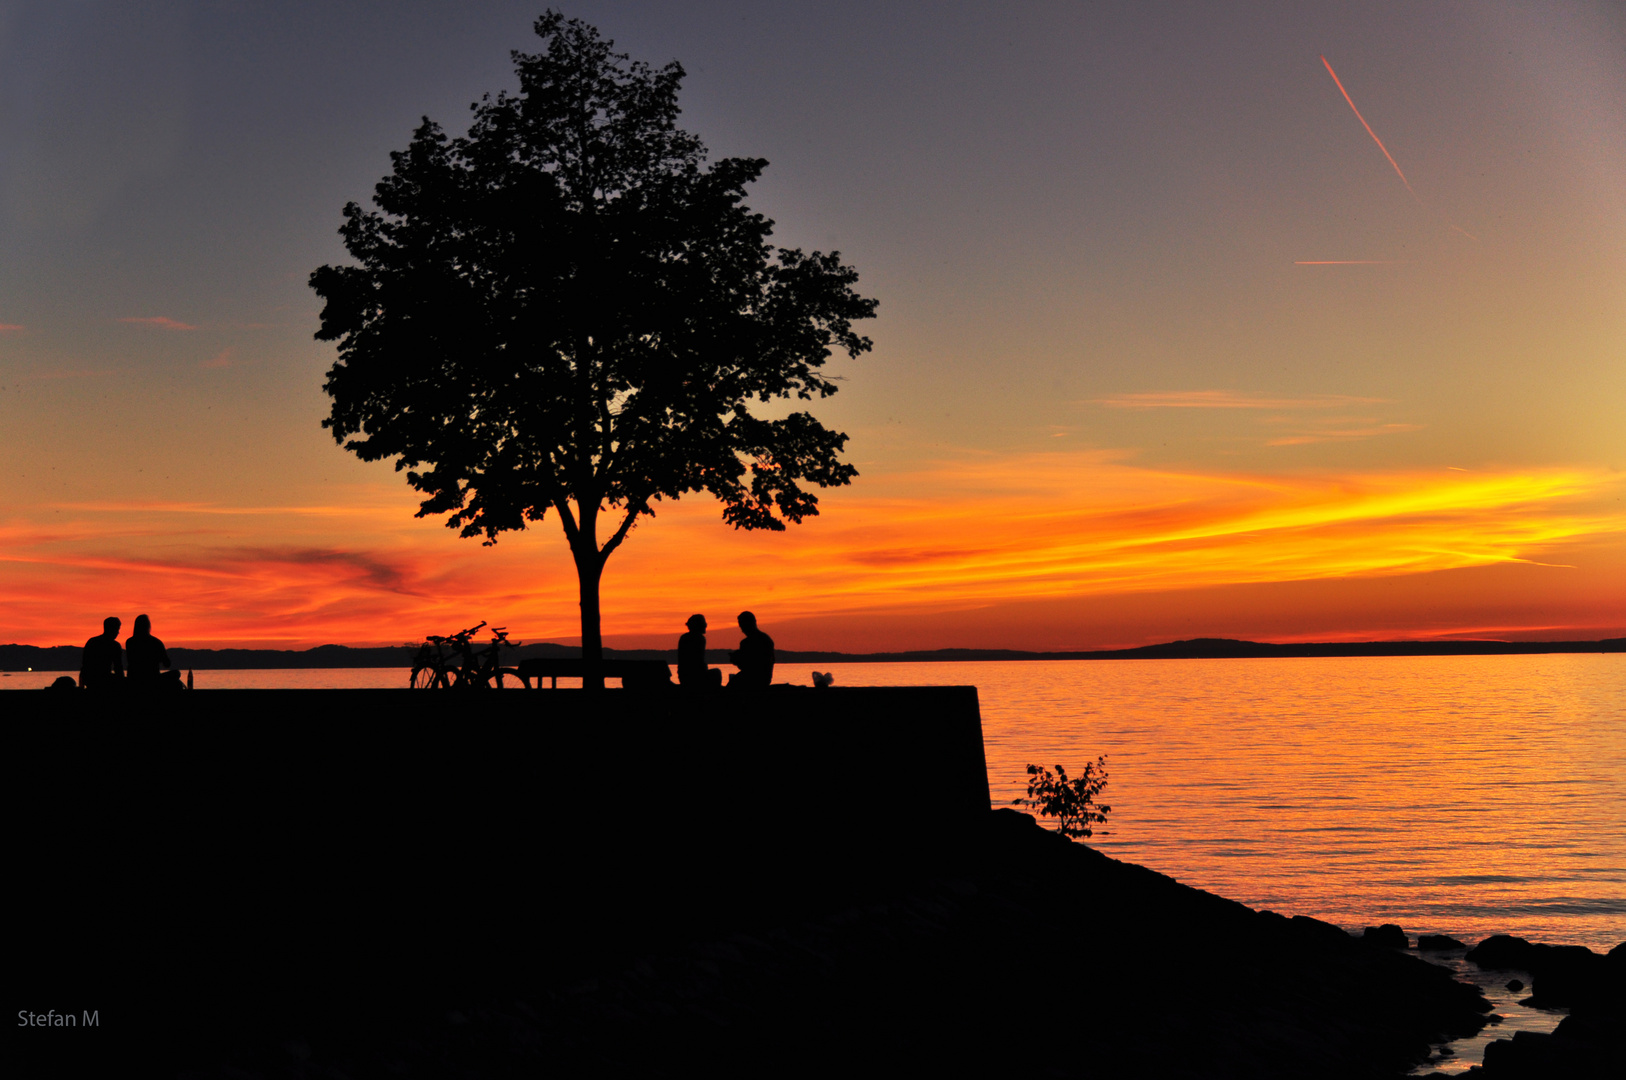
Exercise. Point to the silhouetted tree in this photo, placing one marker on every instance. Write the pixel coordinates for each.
(568, 309)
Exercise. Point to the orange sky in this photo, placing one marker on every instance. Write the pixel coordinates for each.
(1168, 345)
(950, 554)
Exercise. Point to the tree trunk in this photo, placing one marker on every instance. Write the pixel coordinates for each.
(588, 573)
(589, 570)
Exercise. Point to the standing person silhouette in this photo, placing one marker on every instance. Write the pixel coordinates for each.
(692, 669)
(146, 656)
(754, 657)
(101, 665)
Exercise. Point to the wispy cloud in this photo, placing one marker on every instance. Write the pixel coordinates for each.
(1231, 399)
(1072, 525)
(48, 376)
(221, 359)
(10, 326)
(1300, 429)
(973, 531)
(384, 509)
(1341, 432)
(163, 322)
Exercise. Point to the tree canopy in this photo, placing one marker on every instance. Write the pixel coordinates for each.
(569, 309)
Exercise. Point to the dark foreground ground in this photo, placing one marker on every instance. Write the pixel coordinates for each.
(1028, 956)
(334, 885)
(1035, 957)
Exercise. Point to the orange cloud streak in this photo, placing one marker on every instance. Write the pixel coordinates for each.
(1351, 430)
(1369, 130)
(163, 322)
(961, 535)
(1229, 399)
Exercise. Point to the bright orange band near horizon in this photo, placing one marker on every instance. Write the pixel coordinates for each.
(950, 537)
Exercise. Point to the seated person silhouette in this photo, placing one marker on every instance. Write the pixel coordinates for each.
(754, 657)
(147, 658)
(101, 665)
(692, 669)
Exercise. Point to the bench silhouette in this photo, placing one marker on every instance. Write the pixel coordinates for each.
(634, 674)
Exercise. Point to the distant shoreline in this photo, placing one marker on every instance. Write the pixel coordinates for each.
(66, 657)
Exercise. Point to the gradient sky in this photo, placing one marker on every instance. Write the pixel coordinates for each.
(1166, 345)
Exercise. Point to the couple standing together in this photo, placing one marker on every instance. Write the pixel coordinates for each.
(754, 657)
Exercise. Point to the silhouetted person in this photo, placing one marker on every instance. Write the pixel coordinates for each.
(692, 669)
(146, 658)
(754, 657)
(101, 666)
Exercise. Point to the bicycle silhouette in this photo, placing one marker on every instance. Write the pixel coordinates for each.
(453, 663)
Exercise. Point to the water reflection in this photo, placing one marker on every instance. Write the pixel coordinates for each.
(1456, 795)
(1508, 1016)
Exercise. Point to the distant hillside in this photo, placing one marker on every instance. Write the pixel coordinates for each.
(66, 657)
(1224, 648)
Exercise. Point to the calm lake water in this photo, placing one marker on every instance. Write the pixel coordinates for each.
(1457, 795)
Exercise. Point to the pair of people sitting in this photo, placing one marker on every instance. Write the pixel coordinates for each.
(754, 657)
(102, 664)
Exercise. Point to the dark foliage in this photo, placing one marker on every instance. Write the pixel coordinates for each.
(1070, 802)
(569, 309)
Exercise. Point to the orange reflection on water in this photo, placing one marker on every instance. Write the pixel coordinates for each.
(1458, 795)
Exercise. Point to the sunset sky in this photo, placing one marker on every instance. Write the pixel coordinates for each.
(1168, 344)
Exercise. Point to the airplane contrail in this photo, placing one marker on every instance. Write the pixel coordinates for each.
(1369, 130)
(1348, 262)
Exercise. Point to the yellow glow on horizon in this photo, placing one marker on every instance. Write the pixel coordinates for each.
(973, 531)
(1081, 525)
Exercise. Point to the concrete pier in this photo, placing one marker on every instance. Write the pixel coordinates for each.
(249, 847)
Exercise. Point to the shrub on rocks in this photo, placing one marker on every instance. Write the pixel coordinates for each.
(1071, 802)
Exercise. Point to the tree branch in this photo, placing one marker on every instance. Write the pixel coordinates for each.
(572, 532)
(634, 508)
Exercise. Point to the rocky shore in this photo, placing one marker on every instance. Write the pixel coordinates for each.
(1023, 955)
(1590, 1041)
(1028, 956)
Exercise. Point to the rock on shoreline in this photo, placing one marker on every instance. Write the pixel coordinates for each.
(1589, 1041)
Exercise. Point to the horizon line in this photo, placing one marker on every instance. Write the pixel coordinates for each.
(1413, 646)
